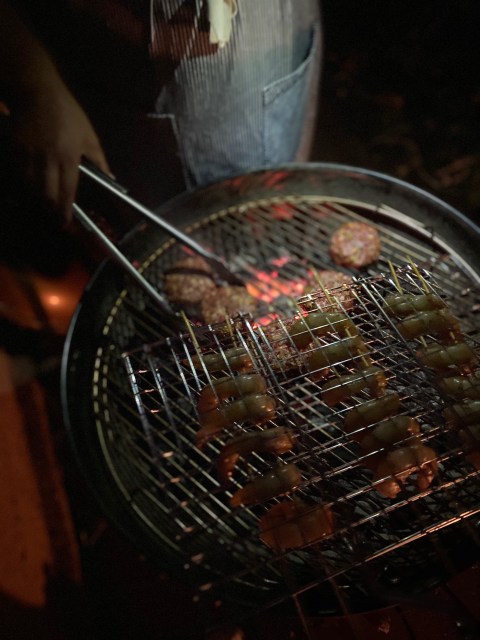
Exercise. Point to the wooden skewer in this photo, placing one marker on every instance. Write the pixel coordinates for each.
(400, 290)
(325, 291)
(427, 289)
(190, 330)
(395, 277)
(228, 322)
(416, 271)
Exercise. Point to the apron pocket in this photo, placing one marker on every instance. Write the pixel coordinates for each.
(285, 107)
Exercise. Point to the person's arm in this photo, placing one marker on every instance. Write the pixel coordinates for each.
(50, 130)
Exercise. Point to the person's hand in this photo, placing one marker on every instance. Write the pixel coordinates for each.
(50, 134)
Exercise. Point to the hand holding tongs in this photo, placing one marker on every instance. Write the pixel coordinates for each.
(120, 192)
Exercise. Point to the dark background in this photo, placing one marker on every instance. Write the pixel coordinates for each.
(400, 95)
(401, 92)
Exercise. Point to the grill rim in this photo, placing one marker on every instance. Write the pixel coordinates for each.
(84, 334)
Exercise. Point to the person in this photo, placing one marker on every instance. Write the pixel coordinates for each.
(164, 95)
(147, 92)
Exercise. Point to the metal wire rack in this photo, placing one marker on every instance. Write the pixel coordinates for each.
(220, 546)
(135, 432)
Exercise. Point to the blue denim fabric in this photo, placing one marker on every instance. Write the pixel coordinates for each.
(245, 107)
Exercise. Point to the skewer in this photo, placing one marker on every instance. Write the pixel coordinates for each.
(427, 289)
(334, 301)
(325, 291)
(416, 270)
(229, 324)
(190, 330)
(396, 281)
(400, 290)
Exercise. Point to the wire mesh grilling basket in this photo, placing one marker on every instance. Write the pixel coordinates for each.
(167, 380)
(136, 432)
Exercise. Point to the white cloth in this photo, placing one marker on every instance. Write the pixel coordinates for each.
(220, 15)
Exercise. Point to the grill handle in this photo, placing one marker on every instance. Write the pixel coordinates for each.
(217, 264)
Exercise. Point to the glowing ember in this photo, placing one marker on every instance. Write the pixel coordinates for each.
(281, 262)
(267, 287)
(266, 320)
(281, 212)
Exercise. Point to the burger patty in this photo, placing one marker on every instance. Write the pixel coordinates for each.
(221, 302)
(355, 245)
(189, 280)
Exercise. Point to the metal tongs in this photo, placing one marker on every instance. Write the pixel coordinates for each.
(215, 262)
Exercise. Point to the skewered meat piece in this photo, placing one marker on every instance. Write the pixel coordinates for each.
(470, 437)
(230, 387)
(355, 244)
(461, 387)
(461, 414)
(337, 283)
(320, 323)
(371, 411)
(343, 387)
(255, 408)
(441, 358)
(399, 464)
(401, 305)
(335, 353)
(277, 440)
(424, 323)
(291, 525)
(279, 480)
(189, 280)
(236, 359)
(278, 349)
(217, 304)
(390, 432)
(328, 279)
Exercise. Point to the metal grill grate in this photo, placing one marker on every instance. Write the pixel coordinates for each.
(220, 544)
(147, 437)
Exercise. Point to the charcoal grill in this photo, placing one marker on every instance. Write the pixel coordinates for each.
(130, 390)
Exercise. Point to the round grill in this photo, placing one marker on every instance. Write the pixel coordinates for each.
(130, 394)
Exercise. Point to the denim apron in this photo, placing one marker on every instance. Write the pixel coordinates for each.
(247, 105)
(251, 104)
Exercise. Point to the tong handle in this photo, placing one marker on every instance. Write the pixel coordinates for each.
(122, 260)
(111, 185)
